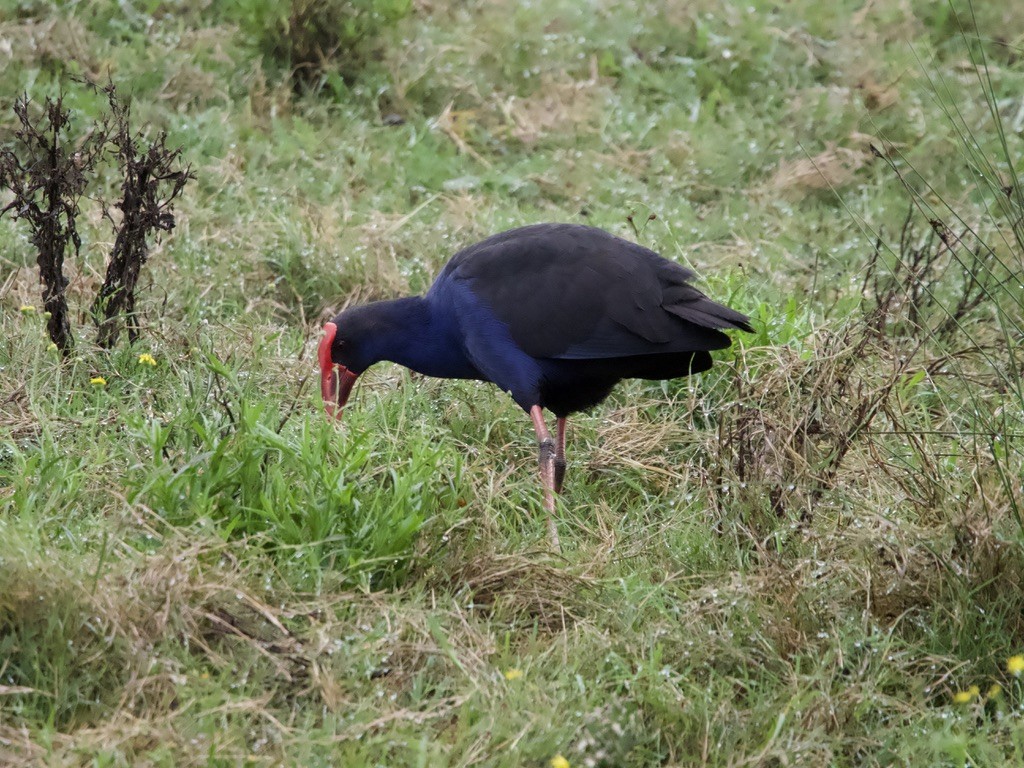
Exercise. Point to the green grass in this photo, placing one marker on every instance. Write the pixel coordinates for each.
(798, 558)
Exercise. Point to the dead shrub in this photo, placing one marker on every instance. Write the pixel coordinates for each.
(152, 179)
(799, 417)
(934, 283)
(46, 171)
(794, 423)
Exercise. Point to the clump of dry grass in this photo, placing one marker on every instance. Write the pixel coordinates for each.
(559, 106)
(802, 422)
(831, 169)
(630, 436)
(17, 745)
(520, 591)
(53, 41)
(122, 623)
(794, 423)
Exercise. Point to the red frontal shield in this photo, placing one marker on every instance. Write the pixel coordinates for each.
(335, 379)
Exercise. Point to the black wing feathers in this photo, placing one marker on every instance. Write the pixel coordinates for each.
(574, 292)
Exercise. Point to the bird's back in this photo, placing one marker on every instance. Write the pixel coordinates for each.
(572, 292)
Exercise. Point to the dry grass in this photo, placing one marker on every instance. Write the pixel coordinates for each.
(559, 106)
(53, 41)
(832, 169)
(521, 591)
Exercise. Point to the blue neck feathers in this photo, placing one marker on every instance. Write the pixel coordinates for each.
(416, 333)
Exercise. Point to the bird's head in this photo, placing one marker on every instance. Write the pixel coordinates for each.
(352, 342)
(338, 368)
(361, 336)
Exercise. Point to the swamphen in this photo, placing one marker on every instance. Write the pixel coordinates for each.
(554, 314)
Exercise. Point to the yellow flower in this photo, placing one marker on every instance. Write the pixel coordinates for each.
(963, 697)
(98, 381)
(1015, 665)
(559, 762)
(513, 674)
(147, 359)
(995, 691)
(27, 309)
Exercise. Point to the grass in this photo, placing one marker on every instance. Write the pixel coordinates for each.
(799, 558)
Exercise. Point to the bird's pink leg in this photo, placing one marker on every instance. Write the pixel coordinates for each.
(560, 455)
(546, 459)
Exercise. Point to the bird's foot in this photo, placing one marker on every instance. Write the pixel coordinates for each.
(556, 545)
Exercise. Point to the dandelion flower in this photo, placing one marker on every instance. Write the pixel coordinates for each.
(98, 381)
(147, 359)
(559, 762)
(513, 674)
(27, 309)
(1015, 665)
(963, 697)
(995, 691)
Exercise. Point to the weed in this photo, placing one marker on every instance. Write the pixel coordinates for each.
(47, 175)
(318, 40)
(152, 181)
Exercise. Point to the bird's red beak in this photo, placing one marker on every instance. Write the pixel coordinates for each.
(335, 380)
